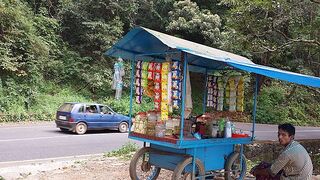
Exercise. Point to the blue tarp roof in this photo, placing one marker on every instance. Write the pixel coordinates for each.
(141, 41)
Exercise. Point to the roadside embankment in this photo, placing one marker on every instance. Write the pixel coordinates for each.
(269, 150)
(114, 168)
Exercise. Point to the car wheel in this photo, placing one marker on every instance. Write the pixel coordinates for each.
(81, 128)
(123, 127)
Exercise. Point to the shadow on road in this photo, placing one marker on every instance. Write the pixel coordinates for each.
(88, 132)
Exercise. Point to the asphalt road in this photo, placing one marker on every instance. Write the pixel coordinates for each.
(40, 141)
(44, 140)
(270, 132)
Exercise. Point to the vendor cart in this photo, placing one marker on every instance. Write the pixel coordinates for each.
(190, 157)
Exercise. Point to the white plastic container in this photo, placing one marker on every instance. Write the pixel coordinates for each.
(227, 129)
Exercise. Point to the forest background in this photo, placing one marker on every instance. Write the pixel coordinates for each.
(51, 51)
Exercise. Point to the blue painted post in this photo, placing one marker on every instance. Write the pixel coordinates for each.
(131, 91)
(254, 107)
(185, 63)
(205, 93)
(241, 159)
(194, 163)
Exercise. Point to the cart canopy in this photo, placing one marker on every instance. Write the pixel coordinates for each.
(150, 45)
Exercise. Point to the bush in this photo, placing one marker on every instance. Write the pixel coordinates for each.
(123, 105)
(284, 102)
(43, 106)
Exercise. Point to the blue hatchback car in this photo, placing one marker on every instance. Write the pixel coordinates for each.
(80, 117)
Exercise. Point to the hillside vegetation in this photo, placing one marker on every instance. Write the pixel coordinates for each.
(52, 51)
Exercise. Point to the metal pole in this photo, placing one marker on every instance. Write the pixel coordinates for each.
(205, 93)
(255, 106)
(241, 159)
(131, 91)
(185, 63)
(194, 163)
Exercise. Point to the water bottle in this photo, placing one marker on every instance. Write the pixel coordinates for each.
(227, 129)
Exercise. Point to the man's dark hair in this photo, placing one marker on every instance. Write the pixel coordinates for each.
(289, 128)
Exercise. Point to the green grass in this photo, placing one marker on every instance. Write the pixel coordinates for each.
(44, 104)
(125, 152)
(251, 164)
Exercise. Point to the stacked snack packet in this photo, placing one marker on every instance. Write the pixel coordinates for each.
(232, 94)
(176, 84)
(138, 85)
(240, 94)
(220, 83)
(164, 91)
(157, 86)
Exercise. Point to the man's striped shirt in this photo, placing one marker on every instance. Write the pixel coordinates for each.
(295, 162)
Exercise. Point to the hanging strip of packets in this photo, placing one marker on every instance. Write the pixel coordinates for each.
(138, 82)
(164, 91)
(225, 93)
(162, 81)
(176, 84)
(157, 86)
(212, 95)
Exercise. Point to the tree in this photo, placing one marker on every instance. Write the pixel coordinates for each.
(91, 26)
(194, 24)
(275, 33)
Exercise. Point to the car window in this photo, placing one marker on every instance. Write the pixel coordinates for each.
(105, 110)
(66, 107)
(81, 109)
(91, 109)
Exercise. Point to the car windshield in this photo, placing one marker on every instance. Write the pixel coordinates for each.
(67, 107)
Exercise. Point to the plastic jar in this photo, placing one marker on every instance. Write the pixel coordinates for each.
(160, 130)
(152, 116)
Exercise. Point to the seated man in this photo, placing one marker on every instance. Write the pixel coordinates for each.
(293, 162)
(89, 109)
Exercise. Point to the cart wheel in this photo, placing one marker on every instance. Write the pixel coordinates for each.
(140, 168)
(232, 167)
(186, 165)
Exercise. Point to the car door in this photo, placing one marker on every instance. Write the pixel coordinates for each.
(92, 116)
(108, 117)
(79, 113)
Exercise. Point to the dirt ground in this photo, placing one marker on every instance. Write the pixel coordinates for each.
(95, 167)
(92, 167)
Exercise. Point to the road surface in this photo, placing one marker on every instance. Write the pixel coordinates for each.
(270, 132)
(44, 140)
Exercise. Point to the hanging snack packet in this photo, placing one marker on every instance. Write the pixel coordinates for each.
(158, 67)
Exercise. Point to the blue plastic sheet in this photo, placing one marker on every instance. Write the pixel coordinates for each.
(154, 46)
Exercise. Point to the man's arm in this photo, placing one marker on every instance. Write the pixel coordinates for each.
(279, 164)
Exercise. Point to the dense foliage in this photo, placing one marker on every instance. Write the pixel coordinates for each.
(52, 51)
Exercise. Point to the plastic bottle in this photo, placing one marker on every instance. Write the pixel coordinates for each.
(214, 128)
(227, 129)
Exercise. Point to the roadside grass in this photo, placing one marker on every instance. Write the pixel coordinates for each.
(251, 164)
(125, 152)
(42, 105)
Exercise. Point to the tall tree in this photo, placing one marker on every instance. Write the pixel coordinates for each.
(275, 33)
(194, 24)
